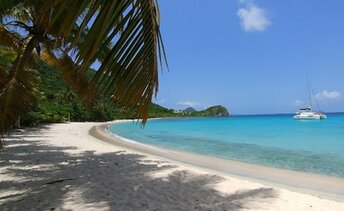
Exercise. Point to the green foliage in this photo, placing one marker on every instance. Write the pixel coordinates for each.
(214, 111)
(7, 57)
(57, 102)
(52, 83)
(123, 37)
(157, 111)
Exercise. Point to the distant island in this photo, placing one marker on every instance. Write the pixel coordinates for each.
(213, 111)
(218, 111)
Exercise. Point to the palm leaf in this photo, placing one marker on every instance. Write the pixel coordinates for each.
(18, 87)
(124, 37)
(67, 69)
(129, 72)
(121, 38)
(19, 96)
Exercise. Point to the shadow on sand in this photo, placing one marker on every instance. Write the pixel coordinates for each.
(45, 177)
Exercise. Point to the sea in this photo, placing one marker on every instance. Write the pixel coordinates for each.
(313, 146)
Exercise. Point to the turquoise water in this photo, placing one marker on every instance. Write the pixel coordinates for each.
(315, 146)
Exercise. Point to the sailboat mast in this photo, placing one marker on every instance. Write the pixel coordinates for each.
(309, 94)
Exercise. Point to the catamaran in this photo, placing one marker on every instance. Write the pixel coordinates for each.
(307, 113)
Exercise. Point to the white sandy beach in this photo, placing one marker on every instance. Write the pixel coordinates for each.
(63, 167)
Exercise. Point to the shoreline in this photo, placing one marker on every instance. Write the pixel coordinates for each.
(63, 167)
(303, 182)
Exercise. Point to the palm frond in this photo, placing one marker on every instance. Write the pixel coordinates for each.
(120, 38)
(70, 72)
(19, 96)
(123, 38)
(129, 72)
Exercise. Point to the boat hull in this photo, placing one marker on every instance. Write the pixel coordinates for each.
(310, 117)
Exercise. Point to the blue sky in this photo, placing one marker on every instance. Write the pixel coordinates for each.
(252, 56)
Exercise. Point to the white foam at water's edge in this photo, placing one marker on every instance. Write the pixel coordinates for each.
(130, 140)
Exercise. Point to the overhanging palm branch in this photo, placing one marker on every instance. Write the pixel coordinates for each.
(18, 97)
(119, 38)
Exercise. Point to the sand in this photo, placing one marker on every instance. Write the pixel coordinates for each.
(63, 167)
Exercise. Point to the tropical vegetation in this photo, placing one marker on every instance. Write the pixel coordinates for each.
(58, 102)
(119, 38)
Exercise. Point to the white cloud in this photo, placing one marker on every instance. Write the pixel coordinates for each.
(298, 103)
(189, 103)
(252, 17)
(324, 95)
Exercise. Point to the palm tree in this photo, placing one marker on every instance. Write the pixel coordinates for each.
(120, 38)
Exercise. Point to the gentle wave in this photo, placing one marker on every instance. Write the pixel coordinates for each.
(275, 141)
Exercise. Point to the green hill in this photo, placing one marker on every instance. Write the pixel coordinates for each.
(57, 102)
(218, 111)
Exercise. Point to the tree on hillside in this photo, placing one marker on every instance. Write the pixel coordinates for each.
(120, 38)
